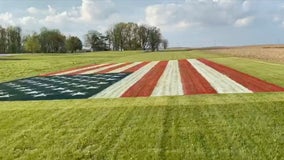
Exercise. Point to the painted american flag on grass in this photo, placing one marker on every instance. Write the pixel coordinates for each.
(136, 79)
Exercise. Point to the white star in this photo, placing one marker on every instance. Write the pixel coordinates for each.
(110, 79)
(67, 91)
(5, 96)
(50, 86)
(78, 94)
(21, 88)
(40, 95)
(92, 87)
(103, 83)
(82, 85)
(27, 90)
(58, 89)
(32, 92)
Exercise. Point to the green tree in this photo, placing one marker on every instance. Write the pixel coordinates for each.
(143, 34)
(3, 40)
(73, 44)
(130, 36)
(164, 43)
(14, 39)
(52, 41)
(155, 38)
(118, 36)
(96, 41)
(31, 43)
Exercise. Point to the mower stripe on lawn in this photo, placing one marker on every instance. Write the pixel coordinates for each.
(145, 86)
(252, 83)
(192, 81)
(220, 82)
(125, 67)
(117, 89)
(170, 82)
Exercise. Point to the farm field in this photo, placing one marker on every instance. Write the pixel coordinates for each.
(270, 53)
(227, 126)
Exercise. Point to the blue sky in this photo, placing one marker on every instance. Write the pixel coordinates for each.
(190, 23)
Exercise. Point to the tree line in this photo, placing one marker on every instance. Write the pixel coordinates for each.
(121, 36)
(10, 40)
(131, 36)
(51, 41)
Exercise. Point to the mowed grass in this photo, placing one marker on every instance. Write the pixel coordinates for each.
(230, 126)
(28, 65)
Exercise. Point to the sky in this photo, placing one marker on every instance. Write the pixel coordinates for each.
(185, 23)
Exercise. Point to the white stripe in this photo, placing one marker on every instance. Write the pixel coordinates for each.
(170, 82)
(125, 67)
(101, 69)
(220, 82)
(79, 69)
(116, 90)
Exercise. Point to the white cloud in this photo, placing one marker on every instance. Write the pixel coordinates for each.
(96, 9)
(6, 19)
(247, 5)
(28, 20)
(242, 22)
(199, 15)
(6, 16)
(39, 12)
(51, 10)
(91, 14)
(203, 13)
(33, 10)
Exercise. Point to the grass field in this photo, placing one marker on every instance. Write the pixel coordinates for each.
(232, 126)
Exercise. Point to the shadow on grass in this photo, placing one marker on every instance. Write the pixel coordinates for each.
(12, 59)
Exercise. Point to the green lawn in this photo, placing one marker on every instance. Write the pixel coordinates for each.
(233, 126)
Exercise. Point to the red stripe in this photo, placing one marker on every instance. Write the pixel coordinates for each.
(113, 68)
(88, 69)
(67, 70)
(137, 67)
(145, 86)
(250, 82)
(192, 81)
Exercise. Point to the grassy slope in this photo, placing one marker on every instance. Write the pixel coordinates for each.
(235, 126)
